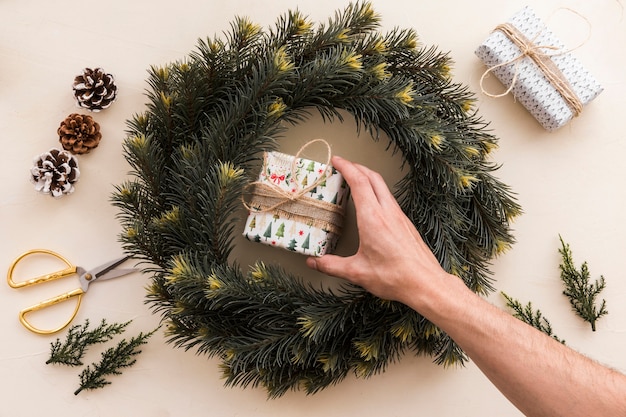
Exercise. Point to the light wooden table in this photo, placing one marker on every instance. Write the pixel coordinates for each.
(569, 182)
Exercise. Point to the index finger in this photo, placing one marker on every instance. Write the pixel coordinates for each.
(358, 175)
(360, 187)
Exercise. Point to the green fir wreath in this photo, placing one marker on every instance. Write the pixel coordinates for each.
(208, 120)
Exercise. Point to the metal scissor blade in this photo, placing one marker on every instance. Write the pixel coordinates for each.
(104, 271)
(98, 271)
(116, 273)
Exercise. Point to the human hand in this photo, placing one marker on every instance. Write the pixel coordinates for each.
(392, 261)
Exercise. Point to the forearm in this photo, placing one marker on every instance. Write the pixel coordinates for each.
(536, 373)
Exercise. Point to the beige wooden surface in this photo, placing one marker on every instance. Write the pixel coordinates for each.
(570, 182)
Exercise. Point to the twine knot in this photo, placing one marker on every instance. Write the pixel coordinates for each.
(271, 197)
(542, 59)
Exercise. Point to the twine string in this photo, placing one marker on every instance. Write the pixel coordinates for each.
(528, 48)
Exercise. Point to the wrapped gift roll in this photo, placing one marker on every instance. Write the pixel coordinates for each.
(536, 67)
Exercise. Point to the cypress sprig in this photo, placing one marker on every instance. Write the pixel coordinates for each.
(581, 293)
(111, 363)
(78, 338)
(530, 316)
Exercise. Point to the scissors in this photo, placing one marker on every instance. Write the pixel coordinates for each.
(103, 272)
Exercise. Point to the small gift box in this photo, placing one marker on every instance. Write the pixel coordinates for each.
(535, 66)
(297, 204)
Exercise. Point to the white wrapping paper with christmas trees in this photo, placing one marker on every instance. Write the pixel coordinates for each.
(297, 204)
(538, 69)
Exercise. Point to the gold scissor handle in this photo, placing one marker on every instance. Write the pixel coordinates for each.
(70, 270)
(78, 292)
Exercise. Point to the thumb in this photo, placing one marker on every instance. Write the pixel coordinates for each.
(333, 265)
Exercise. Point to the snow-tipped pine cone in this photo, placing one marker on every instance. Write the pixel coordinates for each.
(94, 89)
(55, 172)
(79, 133)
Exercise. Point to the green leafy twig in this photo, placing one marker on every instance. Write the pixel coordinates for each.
(78, 338)
(113, 359)
(582, 295)
(531, 317)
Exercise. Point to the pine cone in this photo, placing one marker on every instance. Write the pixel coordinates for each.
(79, 133)
(94, 89)
(55, 172)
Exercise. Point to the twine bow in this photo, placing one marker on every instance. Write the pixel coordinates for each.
(543, 60)
(295, 204)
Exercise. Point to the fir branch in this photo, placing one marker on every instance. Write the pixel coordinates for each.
(530, 316)
(582, 295)
(113, 359)
(78, 338)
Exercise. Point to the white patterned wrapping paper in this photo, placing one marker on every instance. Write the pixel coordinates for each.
(281, 230)
(532, 88)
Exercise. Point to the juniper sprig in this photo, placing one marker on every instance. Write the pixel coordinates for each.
(582, 295)
(78, 338)
(530, 316)
(111, 362)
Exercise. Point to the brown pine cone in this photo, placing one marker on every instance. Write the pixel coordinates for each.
(94, 89)
(55, 172)
(79, 133)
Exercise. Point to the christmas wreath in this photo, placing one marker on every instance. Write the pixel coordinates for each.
(208, 121)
